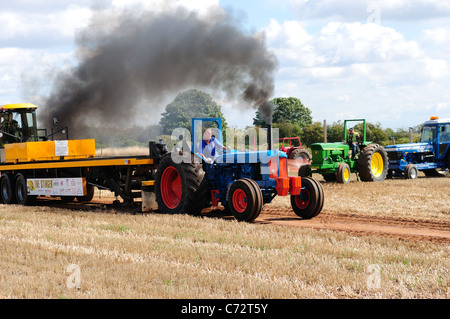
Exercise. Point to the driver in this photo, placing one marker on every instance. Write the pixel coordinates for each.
(353, 145)
(208, 147)
(5, 127)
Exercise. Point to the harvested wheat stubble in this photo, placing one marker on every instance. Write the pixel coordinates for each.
(121, 255)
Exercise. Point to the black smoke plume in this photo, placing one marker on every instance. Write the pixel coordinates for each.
(131, 59)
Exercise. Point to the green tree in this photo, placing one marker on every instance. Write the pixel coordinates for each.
(287, 110)
(286, 129)
(374, 132)
(187, 105)
(312, 133)
(335, 132)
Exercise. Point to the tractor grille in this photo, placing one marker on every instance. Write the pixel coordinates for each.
(395, 156)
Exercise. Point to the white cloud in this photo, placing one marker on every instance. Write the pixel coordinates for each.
(352, 49)
(24, 72)
(437, 41)
(339, 65)
(36, 40)
(354, 69)
(350, 10)
(42, 7)
(28, 29)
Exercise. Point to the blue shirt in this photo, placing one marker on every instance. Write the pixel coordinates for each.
(209, 150)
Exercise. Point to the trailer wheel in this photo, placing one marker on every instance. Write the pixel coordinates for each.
(21, 191)
(180, 188)
(243, 201)
(373, 163)
(310, 201)
(6, 187)
(259, 202)
(67, 199)
(411, 171)
(343, 173)
(89, 196)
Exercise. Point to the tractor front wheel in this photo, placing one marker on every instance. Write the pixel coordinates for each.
(244, 201)
(411, 171)
(259, 202)
(310, 201)
(343, 173)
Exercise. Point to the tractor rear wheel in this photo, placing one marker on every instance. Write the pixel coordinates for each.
(411, 171)
(310, 201)
(343, 173)
(434, 173)
(373, 163)
(243, 200)
(301, 155)
(180, 188)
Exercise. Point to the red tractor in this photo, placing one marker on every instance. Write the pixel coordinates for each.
(295, 150)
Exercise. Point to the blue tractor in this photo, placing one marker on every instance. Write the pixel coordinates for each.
(241, 181)
(431, 155)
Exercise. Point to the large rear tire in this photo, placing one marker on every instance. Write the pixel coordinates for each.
(373, 163)
(180, 188)
(310, 201)
(435, 173)
(301, 155)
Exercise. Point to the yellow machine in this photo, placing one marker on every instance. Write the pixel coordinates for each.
(18, 123)
(34, 164)
(19, 138)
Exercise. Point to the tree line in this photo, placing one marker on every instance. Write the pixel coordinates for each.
(290, 117)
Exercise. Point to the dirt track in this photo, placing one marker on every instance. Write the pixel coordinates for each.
(354, 224)
(412, 230)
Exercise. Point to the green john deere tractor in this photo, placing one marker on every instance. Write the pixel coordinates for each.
(335, 161)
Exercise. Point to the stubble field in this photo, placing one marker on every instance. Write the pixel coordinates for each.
(372, 240)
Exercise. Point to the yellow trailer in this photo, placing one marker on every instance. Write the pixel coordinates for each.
(34, 164)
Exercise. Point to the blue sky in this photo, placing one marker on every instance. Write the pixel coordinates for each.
(386, 61)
